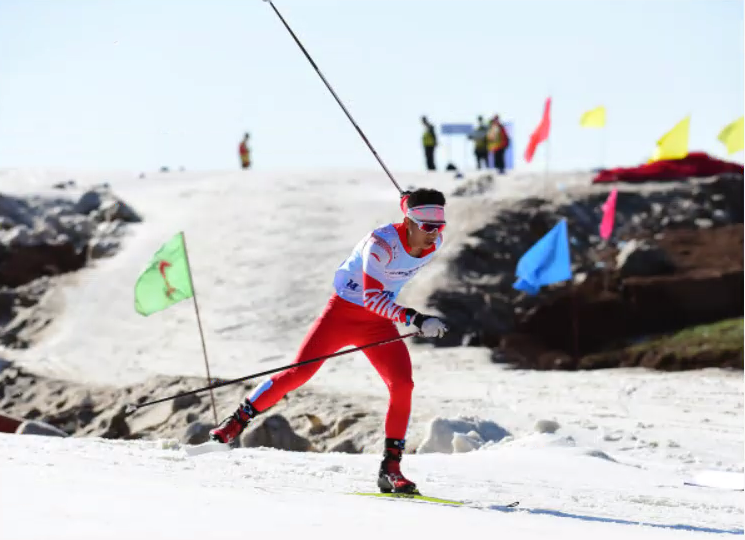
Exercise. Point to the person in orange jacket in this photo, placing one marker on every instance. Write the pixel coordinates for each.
(497, 142)
(244, 152)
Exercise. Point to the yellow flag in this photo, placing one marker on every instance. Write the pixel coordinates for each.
(674, 143)
(732, 135)
(594, 118)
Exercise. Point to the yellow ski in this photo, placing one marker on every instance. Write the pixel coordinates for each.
(411, 496)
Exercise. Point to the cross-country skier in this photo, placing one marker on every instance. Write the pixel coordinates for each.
(363, 310)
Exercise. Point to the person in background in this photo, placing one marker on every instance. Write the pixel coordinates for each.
(497, 142)
(479, 143)
(429, 142)
(244, 152)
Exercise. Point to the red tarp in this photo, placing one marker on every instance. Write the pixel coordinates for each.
(695, 164)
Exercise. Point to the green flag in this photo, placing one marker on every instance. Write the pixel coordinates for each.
(166, 279)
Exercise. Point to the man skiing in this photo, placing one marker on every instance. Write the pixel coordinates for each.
(363, 310)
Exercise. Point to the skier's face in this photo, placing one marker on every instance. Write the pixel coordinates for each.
(422, 235)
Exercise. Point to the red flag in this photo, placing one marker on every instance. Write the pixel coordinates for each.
(609, 213)
(541, 132)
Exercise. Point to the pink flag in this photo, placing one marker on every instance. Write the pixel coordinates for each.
(609, 213)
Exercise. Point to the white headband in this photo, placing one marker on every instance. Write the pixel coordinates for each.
(433, 213)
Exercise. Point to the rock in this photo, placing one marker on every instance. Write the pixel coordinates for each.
(546, 426)
(64, 185)
(343, 423)
(150, 418)
(275, 432)
(101, 205)
(15, 210)
(35, 427)
(7, 304)
(21, 264)
(89, 201)
(110, 229)
(117, 210)
(100, 248)
(316, 425)
(117, 426)
(184, 402)
(477, 186)
(20, 235)
(440, 436)
(196, 433)
(347, 446)
(638, 258)
(466, 442)
(77, 228)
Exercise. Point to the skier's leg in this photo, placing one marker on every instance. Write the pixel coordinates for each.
(393, 363)
(325, 336)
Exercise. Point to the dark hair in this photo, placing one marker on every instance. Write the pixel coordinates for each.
(425, 196)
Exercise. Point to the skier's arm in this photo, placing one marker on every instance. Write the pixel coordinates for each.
(376, 255)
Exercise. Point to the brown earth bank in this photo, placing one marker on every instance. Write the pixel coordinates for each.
(45, 237)
(35, 404)
(675, 261)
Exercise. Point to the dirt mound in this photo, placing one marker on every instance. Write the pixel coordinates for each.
(45, 237)
(77, 409)
(608, 312)
(677, 263)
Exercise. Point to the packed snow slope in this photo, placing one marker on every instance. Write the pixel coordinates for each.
(91, 489)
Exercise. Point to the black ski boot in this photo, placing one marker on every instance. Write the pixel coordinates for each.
(390, 479)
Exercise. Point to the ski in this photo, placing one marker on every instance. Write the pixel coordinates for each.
(411, 496)
(205, 448)
(424, 499)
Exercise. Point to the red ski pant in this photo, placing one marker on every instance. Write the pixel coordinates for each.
(343, 324)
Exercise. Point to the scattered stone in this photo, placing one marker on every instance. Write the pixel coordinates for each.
(346, 446)
(546, 426)
(196, 433)
(638, 258)
(441, 434)
(34, 427)
(274, 432)
(184, 402)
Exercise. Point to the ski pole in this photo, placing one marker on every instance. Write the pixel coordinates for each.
(131, 408)
(312, 63)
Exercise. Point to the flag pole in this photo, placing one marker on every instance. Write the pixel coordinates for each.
(545, 174)
(575, 322)
(199, 323)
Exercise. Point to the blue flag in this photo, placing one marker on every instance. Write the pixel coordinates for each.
(546, 262)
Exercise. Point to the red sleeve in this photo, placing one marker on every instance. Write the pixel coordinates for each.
(375, 257)
(377, 300)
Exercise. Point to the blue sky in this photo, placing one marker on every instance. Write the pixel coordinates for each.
(138, 84)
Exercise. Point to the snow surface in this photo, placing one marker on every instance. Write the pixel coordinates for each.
(92, 488)
(263, 249)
